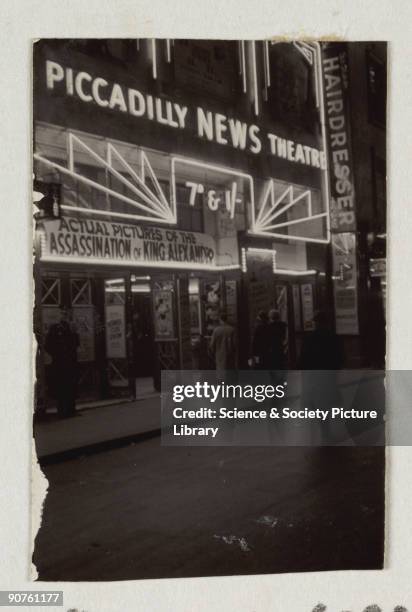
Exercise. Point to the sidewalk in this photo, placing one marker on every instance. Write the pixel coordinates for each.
(98, 428)
(103, 427)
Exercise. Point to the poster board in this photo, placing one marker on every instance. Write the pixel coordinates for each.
(164, 325)
(345, 283)
(115, 331)
(83, 319)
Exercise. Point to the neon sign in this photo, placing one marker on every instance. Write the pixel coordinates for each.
(144, 200)
(238, 187)
(208, 125)
(219, 188)
(272, 219)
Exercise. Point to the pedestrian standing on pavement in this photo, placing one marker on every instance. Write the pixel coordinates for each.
(223, 346)
(62, 342)
(321, 348)
(260, 342)
(321, 357)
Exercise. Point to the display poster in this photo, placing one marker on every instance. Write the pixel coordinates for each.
(115, 331)
(296, 308)
(95, 241)
(212, 302)
(306, 291)
(345, 283)
(163, 314)
(83, 319)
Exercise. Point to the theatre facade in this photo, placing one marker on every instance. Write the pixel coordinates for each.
(184, 177)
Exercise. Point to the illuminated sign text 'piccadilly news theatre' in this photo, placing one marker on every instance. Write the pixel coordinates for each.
(211, 126)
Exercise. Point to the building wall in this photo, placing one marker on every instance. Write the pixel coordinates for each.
(244, 94)
(368, 135)
(367, 62)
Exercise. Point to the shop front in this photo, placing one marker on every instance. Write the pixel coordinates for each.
(286, 277)
(177, 198)
(142, 299)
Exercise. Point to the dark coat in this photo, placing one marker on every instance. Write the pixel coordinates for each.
(276, 337)
(61, 344)
(260, 343)
(223, 347)
(321, 350)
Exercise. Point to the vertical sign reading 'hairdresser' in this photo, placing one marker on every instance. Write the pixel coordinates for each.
(342, 191)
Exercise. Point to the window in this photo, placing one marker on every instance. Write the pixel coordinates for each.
(190, 217)
(50, 291)
(81, 291)
(206, 67)
(291, 97)
(135, 185)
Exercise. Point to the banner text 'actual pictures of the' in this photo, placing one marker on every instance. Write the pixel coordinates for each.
(209, 312)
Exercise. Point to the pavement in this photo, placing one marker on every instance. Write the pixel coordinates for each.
(96, 429)
(104, 427)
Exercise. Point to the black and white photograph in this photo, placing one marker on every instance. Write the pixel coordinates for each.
(204, 206)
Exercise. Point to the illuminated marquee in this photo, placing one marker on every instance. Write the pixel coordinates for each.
(114, 96)
(204, 180)
(282, 205)
(100, 243)
(286, 206)
(280, 210)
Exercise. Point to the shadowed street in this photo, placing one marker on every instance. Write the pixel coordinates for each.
(146, 511)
